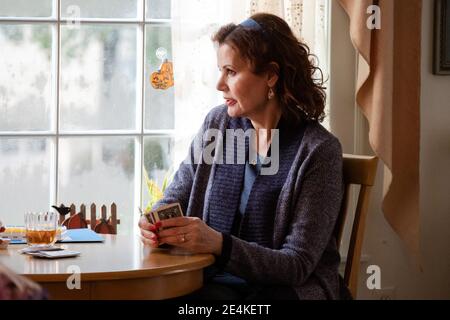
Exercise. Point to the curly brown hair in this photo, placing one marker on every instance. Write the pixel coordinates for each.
(299, 88)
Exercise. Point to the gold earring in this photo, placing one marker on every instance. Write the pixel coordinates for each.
(271, 94)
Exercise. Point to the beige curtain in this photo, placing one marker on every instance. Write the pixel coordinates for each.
(388, 94)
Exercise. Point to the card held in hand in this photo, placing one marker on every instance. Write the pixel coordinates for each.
(172, 210)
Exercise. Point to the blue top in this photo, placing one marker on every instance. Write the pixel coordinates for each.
(251, 171)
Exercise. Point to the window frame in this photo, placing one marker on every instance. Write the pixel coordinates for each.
(55, 134)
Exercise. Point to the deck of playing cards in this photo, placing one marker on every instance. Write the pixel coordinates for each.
(49, 252)
(164, 212)
(55, 254)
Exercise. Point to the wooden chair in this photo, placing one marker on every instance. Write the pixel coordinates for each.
(358, 170)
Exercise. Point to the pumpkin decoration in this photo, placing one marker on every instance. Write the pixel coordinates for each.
(75, 220)
(163, 78)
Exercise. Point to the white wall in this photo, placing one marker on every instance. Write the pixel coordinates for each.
(342, 78)
(381, 244)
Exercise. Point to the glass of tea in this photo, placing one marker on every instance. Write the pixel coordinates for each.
(41, 228)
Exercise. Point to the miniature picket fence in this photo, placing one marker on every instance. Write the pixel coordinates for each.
(104, 224)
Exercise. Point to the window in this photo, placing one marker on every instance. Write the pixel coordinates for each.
(79, 118)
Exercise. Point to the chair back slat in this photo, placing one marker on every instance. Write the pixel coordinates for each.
(339, 229)
(360, 169)
(357, 170)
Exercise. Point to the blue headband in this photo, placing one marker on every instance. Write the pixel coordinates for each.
(252, 24)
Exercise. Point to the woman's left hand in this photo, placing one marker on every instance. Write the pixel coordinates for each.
(192, 234)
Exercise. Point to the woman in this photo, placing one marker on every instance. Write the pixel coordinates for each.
(272, 234)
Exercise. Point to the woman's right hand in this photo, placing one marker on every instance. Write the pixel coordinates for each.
(149, 232)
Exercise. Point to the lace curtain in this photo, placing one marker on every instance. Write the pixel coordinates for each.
(194, 57)
(307, 18)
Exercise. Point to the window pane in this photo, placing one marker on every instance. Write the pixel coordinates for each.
(159, 103)
(26, 82)
(100, 8)
(98, 170)
(157, 9)
(26, 8)
(24, 177)
(98, 77)
(158, 161)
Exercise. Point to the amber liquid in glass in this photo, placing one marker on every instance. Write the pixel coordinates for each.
(41, 237)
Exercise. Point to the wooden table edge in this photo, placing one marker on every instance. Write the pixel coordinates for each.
(128, 274)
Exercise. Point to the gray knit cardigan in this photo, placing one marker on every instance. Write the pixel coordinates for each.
(301, 252)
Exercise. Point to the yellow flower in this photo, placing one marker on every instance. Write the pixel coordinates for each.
(155, 193)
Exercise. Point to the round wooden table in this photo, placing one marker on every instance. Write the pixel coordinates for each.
(122, 267)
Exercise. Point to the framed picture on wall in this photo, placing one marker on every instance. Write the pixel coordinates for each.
(442, 37)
